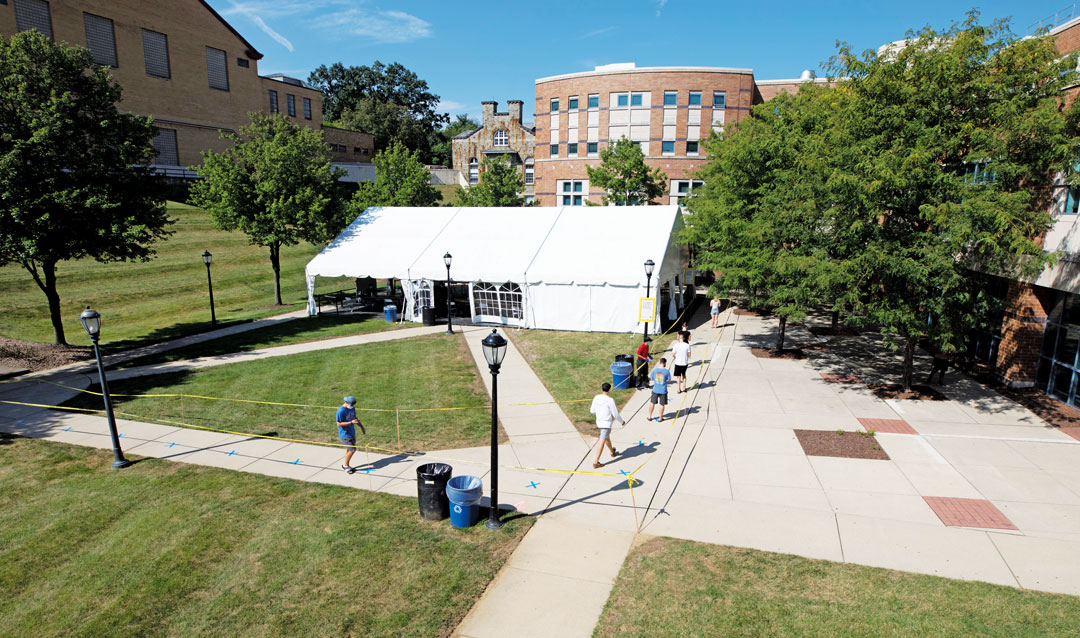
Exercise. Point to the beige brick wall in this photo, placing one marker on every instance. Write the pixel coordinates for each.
(359, 147)
(521, 140)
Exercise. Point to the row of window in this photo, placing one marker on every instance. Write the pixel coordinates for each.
(474, 171)
(101, 41)
(593, 148)
(341, 148)
(671, 98)
(290, 104)
(575, 192)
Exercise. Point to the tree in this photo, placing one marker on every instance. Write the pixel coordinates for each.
(368, 91)
(275, 183)
(400, 180)
(625, 176)
(946, 149)
(501, 184)
(442, 146)
(73, 176)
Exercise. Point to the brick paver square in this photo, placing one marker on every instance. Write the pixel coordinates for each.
(1074, 432)
(890, 426)
(833, 377)
(968, 512)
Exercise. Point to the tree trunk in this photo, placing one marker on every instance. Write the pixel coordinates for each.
(909, 362)
(835, 319)
(49, 288)
(275, 262)
(780, 334)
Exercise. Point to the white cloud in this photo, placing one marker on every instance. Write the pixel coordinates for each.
(659, 6)
(451, 107)
(381, 26)
(596, 32)
(250, 12)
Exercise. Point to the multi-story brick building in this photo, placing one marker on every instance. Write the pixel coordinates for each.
(182, 63)
(499, 134)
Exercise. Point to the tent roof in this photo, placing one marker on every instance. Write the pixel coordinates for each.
(588, 245)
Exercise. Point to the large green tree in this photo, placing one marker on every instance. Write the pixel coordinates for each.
(442, 146)
(501, 184)
(625, 176)
(400, 180)
(275, 184)
(73, 176)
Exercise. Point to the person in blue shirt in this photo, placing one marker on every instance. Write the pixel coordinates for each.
(660, 378)
(346, 420)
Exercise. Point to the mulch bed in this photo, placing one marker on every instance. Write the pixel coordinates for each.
(829, 331)
(837, 377)
(848, 445)
(18, 354)
(1047, 408)
(894, 391)
(786, 353)
(813, 347)
(744, 312)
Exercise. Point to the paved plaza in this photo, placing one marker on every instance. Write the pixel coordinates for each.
(976, 487)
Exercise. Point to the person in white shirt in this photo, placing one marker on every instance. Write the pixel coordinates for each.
(681, 353)
(603, 406)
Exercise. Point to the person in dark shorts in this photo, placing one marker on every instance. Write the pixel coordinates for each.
(641, 364)
(660, 378)
(346, 422)
(941, 364)
(681, 353)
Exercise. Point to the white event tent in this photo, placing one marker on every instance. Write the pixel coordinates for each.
(556, 268)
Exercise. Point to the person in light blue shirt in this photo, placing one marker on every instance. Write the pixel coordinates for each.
(346, 431)
(660, 378)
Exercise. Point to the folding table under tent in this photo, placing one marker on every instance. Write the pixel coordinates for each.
(554, 268)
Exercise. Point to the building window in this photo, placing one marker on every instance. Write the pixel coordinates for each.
(530, 200)
(530, 173)
(155, 48)
(695, 98)
(671, 98)
(978, 173)
(165, 145)
(622, 99)
(555, 105)
(1058, 368)
(242, 62)
(474, 171)
(667, 148)
(503, 302)
(357, 150)
(594, 101)
(100, 39)
(592, 148)
(572, 192)
(554, 150)
(33, 14)
(290, 103)
(273, 102)
(571, 150)
(719, 99)
(363, 151)
(691, 148)
(502, 137)
(307, 108)
(635, 99)
(572, 103)
(216, 71)
(1072, 201)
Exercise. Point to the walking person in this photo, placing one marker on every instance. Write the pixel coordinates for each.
(346, 431)
(603, 406)
(941, 364)
(641, 364)
(714, 312)
(680, 351)
(660, 378)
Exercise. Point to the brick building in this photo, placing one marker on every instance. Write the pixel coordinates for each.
(499, 134)
(182, 63)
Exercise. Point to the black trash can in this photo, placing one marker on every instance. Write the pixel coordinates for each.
(431, 479)
(429, 316)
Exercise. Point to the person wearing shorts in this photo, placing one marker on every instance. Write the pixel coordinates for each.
(714, 312)
(660, 378)
(603, 406)
(681, 353)
(346, 431)
(641, 364)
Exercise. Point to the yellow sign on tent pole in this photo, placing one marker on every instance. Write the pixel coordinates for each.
(646, 309)
(688, 276)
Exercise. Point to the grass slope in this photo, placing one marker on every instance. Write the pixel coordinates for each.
(682, 588)
(170, 549)
(421, 372)
(165, 297)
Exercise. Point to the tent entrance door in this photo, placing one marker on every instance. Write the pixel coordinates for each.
(495, 303)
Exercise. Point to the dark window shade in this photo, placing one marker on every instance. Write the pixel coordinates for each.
(242, 62)
(273, 102)
(33, 14)
(165, 145)
(290, 101)
(155, 48)
(216, 69)
(100, 39)
(307, 108)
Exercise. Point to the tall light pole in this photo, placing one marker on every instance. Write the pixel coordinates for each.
(649, 265)
(207, 258)
(494, 347)
(449, 325)
(91, 321)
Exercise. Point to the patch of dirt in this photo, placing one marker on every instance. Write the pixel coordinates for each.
(786, 353)
(1058, 414)
(813, 347)
(893, 391)
(829, 331)
(744, 312)
(40, 356)
(848, 445)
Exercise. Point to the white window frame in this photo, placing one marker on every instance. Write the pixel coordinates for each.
(501, 137)
(503, 303)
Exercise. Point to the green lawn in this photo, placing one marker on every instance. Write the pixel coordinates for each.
(171, 549)
(302, 330)
(165, 297)
(674, 587)
(422, 372)
(573, 365)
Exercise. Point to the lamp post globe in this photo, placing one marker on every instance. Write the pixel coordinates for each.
(649, 265)
(207, 257)
(449, 323)
(494, 347)
(91, 321)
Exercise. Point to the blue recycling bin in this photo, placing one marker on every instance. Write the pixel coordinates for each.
(390, 312)
(464, 493)
(621, 374)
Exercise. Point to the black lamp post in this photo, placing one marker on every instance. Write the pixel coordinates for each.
(494, 346)
(207, 258)
(649, 265)
(449, 325)
(91, 321)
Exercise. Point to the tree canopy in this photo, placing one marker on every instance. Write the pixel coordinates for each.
(501, 184)
(625, 176)
(275, 184)
(442, 148)
(73, 176)
(400, 180)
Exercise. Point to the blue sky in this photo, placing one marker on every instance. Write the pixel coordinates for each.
(476, 51)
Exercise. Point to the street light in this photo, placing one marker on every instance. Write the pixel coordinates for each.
(494, 347)
(449, 326)
(207, 258)
(91, 321)
(649, 265)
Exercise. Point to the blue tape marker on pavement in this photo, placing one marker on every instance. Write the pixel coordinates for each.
(120, 434)
(20, 422)
(533, 484)
(231, 453)
(624, 473)
(367, 470)
(641, 443)
(172, 444)
(296, 462)
(67, 429)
